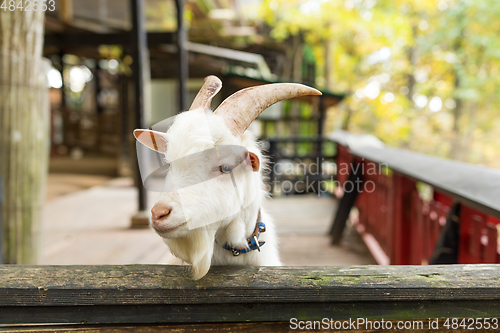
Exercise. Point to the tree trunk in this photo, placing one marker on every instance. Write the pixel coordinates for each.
(328, 64)
(288, 63)
(297, 59)
(297, 77)
(24, 132)
(413, 60)
(456, 145)
(347, 118)
(468, 137)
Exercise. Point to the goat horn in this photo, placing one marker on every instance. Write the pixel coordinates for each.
(242, 107)
(207, 92)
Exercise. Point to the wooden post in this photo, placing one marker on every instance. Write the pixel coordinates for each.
(99, 111)
(139, 66)
(66, 128)
(491, 248)
(125, 140)
(446, 249)
(321, 125)
(273, 156)
(1, 208)
(401, 237)
(347, 202)
(183, 57)
(63, 87)
(66, 11)
(24, 132)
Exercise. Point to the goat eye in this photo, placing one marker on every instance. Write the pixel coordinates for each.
(225, 168)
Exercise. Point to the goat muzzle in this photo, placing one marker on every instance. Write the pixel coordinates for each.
(160, 213)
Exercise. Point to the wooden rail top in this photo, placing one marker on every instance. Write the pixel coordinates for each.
(477, 186)
(166, 294)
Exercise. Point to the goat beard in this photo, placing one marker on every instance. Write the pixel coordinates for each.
(195, 248)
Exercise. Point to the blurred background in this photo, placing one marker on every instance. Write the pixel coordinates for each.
(419, 75)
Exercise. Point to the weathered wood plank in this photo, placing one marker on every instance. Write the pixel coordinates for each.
(165, 284)
(178, 328)
(247, 312)
(162, 294)
(424, 325)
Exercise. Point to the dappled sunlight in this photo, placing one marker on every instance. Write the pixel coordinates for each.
(405, 62)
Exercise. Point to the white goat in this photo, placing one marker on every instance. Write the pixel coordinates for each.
(229, 241)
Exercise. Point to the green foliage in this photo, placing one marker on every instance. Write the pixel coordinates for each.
(422, 74)
(161, 16)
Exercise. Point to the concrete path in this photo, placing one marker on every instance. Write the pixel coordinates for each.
(91, 226)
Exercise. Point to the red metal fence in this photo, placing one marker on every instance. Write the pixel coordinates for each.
(400, 227)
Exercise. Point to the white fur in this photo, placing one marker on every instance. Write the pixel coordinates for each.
(196, 131)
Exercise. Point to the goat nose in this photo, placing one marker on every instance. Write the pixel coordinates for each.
(160, 212)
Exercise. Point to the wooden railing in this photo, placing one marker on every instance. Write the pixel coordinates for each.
(458, 223)
(150, 295)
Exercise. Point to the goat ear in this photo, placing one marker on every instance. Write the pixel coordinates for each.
(156, 141)
(254, 160)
